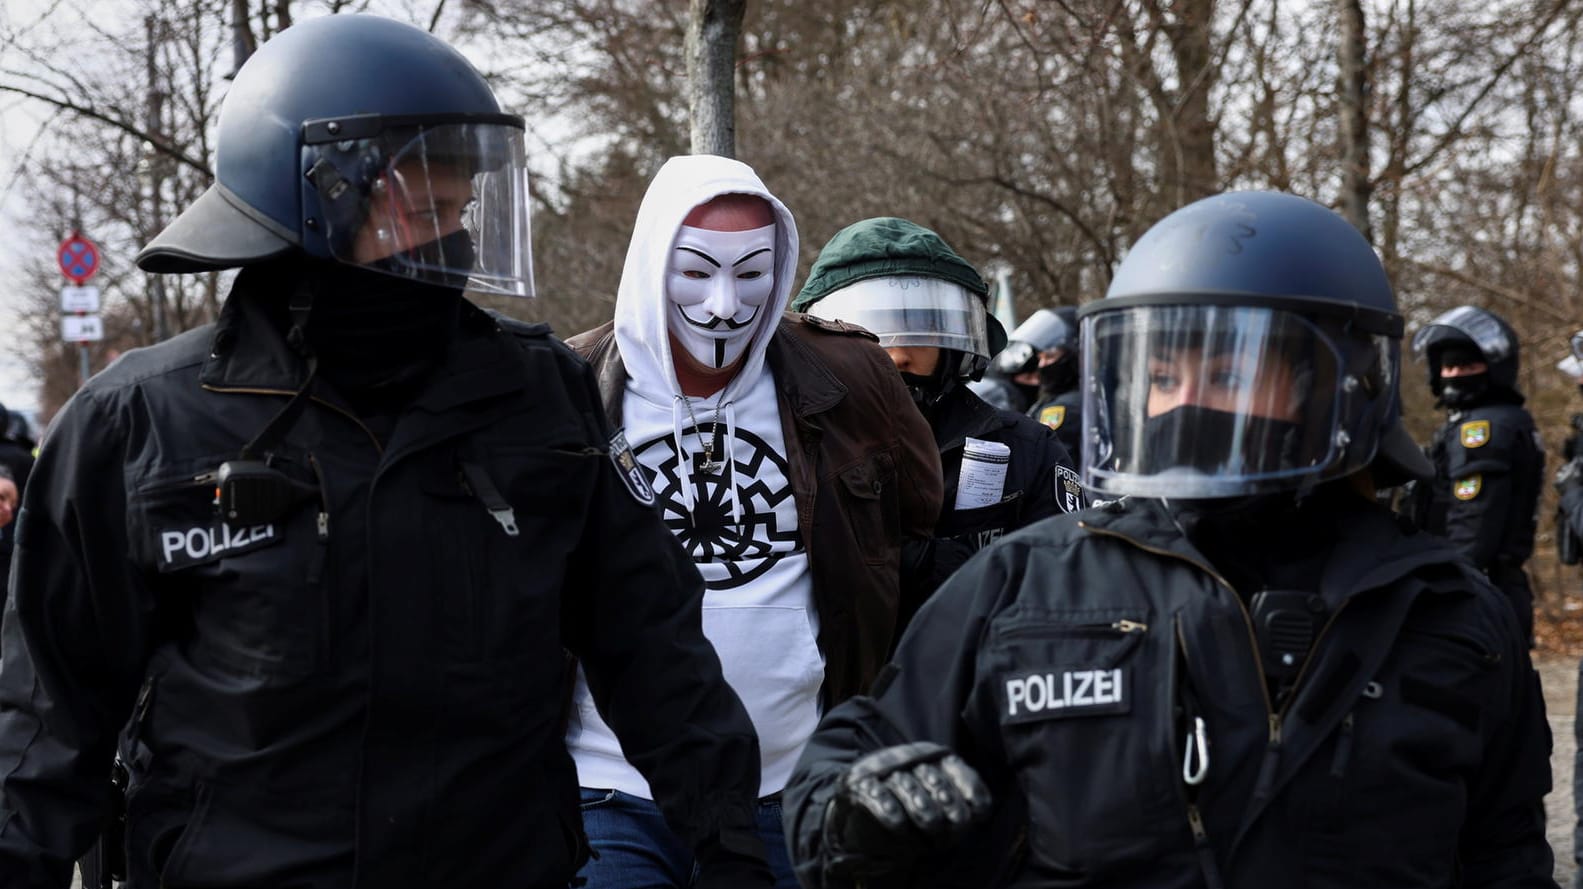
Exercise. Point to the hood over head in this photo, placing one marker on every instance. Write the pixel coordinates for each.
(642, 316)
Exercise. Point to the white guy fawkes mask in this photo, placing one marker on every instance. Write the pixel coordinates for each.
(717, 283)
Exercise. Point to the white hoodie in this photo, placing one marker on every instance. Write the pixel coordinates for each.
(739, 525)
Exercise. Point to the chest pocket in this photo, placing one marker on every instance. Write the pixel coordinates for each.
(1085, 721)
(507, 520)
(868, 497)
(252, 596)
(982, 525)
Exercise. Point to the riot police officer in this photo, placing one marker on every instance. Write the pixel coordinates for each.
(1241, 670)
(928, 306)
(318, 563)
(1042, 359)
(1489, 461)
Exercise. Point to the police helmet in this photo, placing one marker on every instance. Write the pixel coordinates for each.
(904, 284)
(1463, 334)
(366, 141)
(1249, 343)
(1043, 331)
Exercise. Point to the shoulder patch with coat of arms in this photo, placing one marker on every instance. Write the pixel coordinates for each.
(1475, 433)
(632, 473)
(1053, 416)
(1068, 488)
(1467, 488)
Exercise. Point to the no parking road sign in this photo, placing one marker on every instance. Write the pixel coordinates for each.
(78, 257)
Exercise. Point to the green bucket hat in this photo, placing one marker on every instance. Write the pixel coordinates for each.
(887, 246)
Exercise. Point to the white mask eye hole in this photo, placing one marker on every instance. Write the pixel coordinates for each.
(750, 275)
(695, 274)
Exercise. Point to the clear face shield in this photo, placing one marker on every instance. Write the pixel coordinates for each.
(442, 203)
(1201, 401)
(911, 311)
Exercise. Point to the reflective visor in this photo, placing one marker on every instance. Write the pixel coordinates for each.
(911, 311)
(1199, 401)
(443, 203)
(1472, 322)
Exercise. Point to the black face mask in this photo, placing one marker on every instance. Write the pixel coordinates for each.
(1058, 376)
(377, 335)
(1464, 391)
(1268, 443)
(927, 390)
(454, 251)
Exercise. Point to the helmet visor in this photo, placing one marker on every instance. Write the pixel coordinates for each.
(1017, 357)
(443, 203)
(1468, 322)
(911, 311)
(1202, 401)
(1046, 329)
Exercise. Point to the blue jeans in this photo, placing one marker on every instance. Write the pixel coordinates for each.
(637, 849)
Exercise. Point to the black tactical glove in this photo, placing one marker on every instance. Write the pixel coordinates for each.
(898, 803)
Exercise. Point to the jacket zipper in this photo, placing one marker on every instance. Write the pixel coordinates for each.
(478, 483)
(1121, 627)
(380, 448)
(1272, 750)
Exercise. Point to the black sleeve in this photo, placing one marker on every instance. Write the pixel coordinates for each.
(77, 631)
(1503, 844)
(925, 694)
(1047, 495)
(1572, 509)
(1483, 495)
(633, 617)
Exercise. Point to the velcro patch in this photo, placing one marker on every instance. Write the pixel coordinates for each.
(1053, 416)
(184, 547)
(1063, 692)
(1467, 488)
(1475, 433)
(631, 472)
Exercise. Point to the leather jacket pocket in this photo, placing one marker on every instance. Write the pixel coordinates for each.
(869, 499)
(1084, 719)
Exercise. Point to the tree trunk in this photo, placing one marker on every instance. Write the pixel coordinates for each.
(713, 29)
(1353, 92)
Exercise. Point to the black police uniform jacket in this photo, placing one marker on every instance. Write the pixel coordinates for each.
(366, 691)
(1041, 481)
(1068, 663)
(1489, 468)
(1064, 414)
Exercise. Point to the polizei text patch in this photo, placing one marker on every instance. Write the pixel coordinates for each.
(1060, 692)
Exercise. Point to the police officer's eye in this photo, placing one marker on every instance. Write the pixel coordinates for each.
(1165, 382)
(1226, 379)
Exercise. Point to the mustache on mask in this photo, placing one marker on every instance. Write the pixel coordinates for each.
(717, 323)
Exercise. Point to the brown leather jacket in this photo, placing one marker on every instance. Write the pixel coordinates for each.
(864, 470)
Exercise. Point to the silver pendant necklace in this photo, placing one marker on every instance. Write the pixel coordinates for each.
(706, 462)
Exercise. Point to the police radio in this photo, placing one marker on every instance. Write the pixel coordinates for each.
(252, 492)
(1286, 623)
